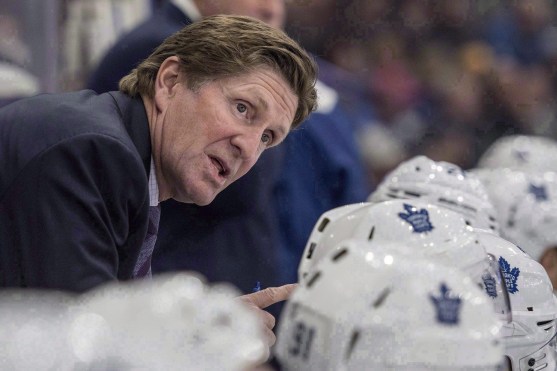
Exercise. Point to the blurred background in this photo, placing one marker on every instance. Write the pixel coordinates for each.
(443, 78)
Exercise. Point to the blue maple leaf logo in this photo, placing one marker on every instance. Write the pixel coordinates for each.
(419, 220)
(510, 275)
(490, 285)
(539, 192)
(447, 306)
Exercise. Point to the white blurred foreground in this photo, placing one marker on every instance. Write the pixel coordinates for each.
(171, 322)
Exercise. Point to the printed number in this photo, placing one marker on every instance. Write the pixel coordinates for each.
(303, 337)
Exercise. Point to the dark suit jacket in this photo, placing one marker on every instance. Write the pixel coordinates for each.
(135, 46)
(73, 189)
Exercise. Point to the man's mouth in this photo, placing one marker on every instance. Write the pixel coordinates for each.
(221, 166)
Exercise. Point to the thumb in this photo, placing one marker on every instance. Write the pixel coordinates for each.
(271, 295)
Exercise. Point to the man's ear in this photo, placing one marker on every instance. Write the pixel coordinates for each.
(166, 82)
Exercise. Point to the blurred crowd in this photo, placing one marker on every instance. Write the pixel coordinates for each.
(444, 78)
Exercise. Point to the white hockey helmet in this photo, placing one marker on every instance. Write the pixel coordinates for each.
(440, 183)
(526, 204)
(381, 311)
(174, 321)
(524, 152)
(530, 338)
(415, 228)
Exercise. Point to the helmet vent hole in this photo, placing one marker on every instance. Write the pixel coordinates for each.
(314, 279)
(381, 298)
(370, 237)
(443, 200)
(418, 168)
(412, 194)
(311, 250)
(323, 224)
(530, 309)
(340, 254)
(353, 341)
(543, 323)
(469, 208)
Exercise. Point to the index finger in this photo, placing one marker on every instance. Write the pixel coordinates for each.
(264, 298)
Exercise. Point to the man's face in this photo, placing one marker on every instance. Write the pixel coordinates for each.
(272, 12)
(212, 136)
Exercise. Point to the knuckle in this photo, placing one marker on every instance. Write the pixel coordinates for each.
(268, 318)
(271, 293)
(271, 338)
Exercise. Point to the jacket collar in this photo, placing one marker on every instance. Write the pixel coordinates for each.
(136, 123)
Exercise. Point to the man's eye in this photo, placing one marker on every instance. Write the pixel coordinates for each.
(267, 138)
(241, 107)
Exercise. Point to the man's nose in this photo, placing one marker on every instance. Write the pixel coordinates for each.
(248, 144)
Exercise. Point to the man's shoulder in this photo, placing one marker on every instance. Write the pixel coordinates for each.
(33, 125)
(49, 115)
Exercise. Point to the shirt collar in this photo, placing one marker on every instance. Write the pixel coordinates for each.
(153, 186)
(189, 8)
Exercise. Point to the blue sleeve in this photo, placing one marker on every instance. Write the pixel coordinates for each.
(323, 170)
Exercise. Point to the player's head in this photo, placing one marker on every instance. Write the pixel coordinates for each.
(526, 205)
(414, 228)
(422, 228)
(521, 152)
(529, 338)
(382, 311)
(440, 183)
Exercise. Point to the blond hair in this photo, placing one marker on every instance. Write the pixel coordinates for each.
(224, 45)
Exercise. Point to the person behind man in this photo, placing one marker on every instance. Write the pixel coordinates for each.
(80, 170)
(136, 45)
